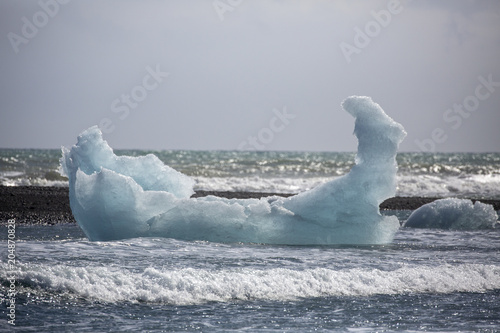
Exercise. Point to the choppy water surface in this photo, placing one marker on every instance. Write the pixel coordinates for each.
(426, 280)
(420, 174)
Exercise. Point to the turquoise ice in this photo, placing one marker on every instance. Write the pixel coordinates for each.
(116, 197)
(454, 214)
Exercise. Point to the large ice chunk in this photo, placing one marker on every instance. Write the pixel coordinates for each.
(122, 197)
(455, 214)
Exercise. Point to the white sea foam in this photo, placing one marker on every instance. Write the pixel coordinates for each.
(424, 185)
(437, 175)
(408, 185)
(259, 184)
(31, 181)
(194, 286)
(428, 185)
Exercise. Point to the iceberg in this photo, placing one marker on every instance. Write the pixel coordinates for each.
(115, 197)
(453, 214)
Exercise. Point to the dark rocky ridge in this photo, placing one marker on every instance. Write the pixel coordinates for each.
(50, 205)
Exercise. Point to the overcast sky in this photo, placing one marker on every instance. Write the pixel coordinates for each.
(266, 74)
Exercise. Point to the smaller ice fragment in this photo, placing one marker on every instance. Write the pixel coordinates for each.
(454, 214)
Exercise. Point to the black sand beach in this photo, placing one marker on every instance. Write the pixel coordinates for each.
(50, 205)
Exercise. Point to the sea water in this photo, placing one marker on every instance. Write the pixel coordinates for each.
(468, 175)
(425, 280)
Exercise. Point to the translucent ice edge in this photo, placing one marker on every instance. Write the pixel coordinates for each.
(454, 214)
(116, 197)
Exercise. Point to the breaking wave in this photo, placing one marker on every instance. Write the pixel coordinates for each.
(195, 286)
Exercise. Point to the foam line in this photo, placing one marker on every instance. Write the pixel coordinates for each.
(195, 286)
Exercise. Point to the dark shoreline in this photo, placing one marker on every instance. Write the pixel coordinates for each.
(50, 205)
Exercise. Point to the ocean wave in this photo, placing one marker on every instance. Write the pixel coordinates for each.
(471, 186)
(37, 181)
(437, 175)
(259, 184)
(196, 286)
(474, 186)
